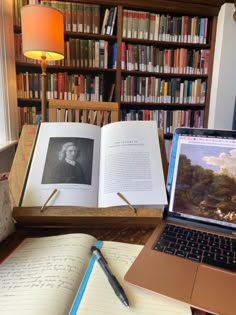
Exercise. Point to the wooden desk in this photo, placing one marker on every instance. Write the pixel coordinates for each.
(134, 236)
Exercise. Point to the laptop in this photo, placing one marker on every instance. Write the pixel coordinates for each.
(191, 255)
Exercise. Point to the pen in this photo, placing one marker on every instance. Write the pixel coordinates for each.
(111, 278)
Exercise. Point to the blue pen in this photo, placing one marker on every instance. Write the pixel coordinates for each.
(111, 278)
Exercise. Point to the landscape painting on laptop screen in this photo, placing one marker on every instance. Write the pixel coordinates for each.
(205, 179)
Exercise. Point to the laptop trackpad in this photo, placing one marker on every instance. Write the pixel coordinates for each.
(214, 290)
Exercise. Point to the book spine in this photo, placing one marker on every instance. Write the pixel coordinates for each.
(114, 56)
(104, 23)
(95, 17)
(68, 16)
(74, 17)
(87, 18)
(80, 17)
(125, 22)
(61, 85)
(109, 21)
(113, 21)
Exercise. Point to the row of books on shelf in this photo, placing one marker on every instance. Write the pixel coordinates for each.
(156, 90)
(167, 120)
(78, 17)
(154, 59)
(164, 27)
(86, 53)
(28, 115)
(62, 85)
(94, 117)
(90, 18)
(77, 53)
(100, 54)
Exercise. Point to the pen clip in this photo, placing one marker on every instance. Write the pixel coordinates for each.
(127, 202)
(94, 249)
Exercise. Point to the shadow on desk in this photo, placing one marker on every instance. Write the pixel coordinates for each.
(199, 312)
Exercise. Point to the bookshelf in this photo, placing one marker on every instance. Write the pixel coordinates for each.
(158, 59)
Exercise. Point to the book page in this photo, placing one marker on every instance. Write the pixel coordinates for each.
(66, 157)
(42, 276)
(100, 299)
(130, 163)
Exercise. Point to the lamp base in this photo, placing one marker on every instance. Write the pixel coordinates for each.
(44, 81)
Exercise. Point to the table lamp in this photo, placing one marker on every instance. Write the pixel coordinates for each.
(42, 39)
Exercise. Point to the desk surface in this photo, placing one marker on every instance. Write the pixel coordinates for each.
(135, 236)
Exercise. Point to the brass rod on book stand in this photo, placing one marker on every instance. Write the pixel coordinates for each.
(49, 198)
(127, 202)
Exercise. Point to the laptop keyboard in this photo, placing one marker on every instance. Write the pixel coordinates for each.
(207, 248)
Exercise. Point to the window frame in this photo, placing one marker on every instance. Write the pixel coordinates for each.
(8, 92)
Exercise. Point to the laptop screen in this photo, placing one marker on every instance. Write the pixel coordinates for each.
(201, 182)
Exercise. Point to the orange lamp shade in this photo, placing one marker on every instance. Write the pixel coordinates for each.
(42, 32)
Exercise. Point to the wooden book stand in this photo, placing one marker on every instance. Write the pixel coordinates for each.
(72, 216)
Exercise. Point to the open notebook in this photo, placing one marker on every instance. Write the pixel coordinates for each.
(56, 275)
(191, 256)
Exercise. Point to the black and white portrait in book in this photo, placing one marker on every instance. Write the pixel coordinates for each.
(66, 158)
(68, 161)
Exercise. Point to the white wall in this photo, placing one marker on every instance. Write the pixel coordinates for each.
(223, 90)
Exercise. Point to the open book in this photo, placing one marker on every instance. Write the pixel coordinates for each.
(56, 276)
(88, 165)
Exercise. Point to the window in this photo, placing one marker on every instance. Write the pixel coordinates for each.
(8, 92)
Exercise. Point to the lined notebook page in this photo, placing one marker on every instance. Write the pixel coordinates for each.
(43, 275)
(100, 299)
